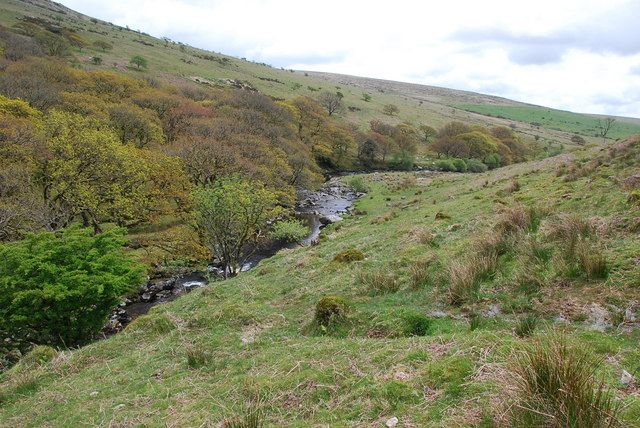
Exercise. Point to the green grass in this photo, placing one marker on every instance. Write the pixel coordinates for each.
(251, 342)
(554, 119)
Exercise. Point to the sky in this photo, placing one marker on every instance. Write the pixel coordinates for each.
(579, 55)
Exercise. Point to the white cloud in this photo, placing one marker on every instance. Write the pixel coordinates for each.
(581, 55)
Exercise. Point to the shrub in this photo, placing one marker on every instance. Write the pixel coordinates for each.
(459, 165)
(526, 325)
(493, 161)
(378, 281)
(289, 231)
(59, 288)
(331, 310)
(475, 165)
(416, 324)
(348, 256)
(445, 165)
(358, 184)
(557, 387)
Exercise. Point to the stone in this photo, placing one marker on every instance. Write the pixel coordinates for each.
(626, 379)
(93, 393)
(392, 422)
(493, 311)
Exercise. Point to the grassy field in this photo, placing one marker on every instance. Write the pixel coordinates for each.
(554, 119)
(249, 345)
(179, 63)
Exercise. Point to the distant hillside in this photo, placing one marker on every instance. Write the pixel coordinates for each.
(173, 61)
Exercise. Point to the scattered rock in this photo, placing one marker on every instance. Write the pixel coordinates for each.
(437, 314)
(392, 422)
(493, 311)
(453, 227)
(598, 318)
(401, 375)
(93, 394)
(626, 379)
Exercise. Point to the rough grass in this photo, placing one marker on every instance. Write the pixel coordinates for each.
(558, 386)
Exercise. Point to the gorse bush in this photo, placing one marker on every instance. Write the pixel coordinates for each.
(557, 387)
(289, 231)
(59, 288)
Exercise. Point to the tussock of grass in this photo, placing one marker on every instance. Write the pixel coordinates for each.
(378, 281)
(348, 256)
(527, 325)
(557, 387)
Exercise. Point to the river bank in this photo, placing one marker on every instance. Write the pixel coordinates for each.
(318, 208)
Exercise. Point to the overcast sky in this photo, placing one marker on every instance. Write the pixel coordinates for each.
(580, 55)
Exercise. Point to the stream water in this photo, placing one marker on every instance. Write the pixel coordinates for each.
(318, 208)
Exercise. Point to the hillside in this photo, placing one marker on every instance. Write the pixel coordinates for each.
(174, 62)
(249, 344)
(171, 254)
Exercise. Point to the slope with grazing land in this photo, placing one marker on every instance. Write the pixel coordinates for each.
(435, 303)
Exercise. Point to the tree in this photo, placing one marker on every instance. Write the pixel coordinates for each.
(96, 60)
(102, 45)
(59, 288)
(232, 217)
(390, 109)
(85, 171)
(604, 126)
(139, 61)
(428, 132)
(331, 101)
(366, 97)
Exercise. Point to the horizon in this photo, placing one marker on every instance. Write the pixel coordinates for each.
(529, 56)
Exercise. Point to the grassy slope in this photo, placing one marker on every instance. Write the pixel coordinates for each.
(555, 119)
(367, 372)
(417, 103)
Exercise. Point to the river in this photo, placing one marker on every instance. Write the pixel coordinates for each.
(318, 208)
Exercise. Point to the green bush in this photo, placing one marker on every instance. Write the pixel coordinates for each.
(59, 288)
(460, 165)
(402, 161)
(289, 231)
(331, 310)
(348, 256)
(358, 184)
(445, 165)
(474, 165)
(416, 324)
(493, 161)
